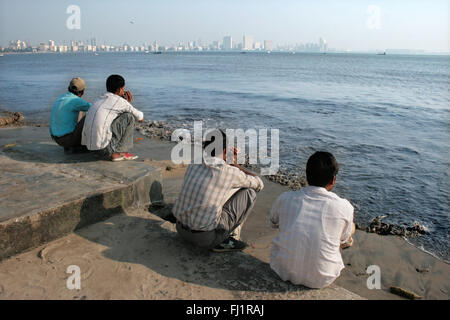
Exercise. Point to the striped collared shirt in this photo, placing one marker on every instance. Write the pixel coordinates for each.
(205, 190)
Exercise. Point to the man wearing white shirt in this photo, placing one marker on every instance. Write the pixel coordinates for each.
(110, 122)
(314, 224)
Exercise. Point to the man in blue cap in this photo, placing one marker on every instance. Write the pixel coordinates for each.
(65, 128)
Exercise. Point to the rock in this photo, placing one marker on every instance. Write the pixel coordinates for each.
(405, 293)
(8, 118)
(382, 228)
(423, 270)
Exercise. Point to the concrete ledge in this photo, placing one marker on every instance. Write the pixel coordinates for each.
(46, 194)
(25, 232)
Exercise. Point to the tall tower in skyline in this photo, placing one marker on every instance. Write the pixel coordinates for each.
(227, 43)
(322, 44)
(247, 43)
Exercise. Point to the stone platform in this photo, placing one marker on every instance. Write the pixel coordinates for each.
(45, 193)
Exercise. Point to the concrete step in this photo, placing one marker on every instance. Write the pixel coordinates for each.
(45, 193)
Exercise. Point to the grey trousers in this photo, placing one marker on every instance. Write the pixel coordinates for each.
(234, 213)
(122, 129)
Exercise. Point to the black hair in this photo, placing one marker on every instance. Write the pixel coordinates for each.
(211, 135)
(321, 168)
(114, 82)
(75, 91)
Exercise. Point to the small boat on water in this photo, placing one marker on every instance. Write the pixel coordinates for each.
(382, 53)
(157, 52)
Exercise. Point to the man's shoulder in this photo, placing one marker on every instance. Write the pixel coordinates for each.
(64, 97)
(105, 100)
(289, 196)
(341, 204)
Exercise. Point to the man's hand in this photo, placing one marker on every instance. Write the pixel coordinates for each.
(128, 96)
(235, 164)
(235, 154)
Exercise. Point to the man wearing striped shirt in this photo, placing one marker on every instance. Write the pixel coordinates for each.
(215, 199)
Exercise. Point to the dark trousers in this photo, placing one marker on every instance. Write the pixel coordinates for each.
(71, 140)
(234, 213)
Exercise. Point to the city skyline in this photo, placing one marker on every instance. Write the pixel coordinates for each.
(226, 44)
(355, 26)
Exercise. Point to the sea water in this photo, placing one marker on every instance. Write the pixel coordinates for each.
(385, 118)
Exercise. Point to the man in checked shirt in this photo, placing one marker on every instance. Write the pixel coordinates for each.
(215, 199)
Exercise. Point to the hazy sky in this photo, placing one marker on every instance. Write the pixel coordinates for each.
(345, 24)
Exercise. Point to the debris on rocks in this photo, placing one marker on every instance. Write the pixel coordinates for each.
(382, 228)
(155, 130)
(405, 293)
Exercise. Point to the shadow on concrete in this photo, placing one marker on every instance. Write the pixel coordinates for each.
(98, 208)
(46, 153)
(155, 244)
(29, 232)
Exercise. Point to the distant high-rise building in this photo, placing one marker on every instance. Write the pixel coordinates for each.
(215, 45)
(227, 43)
(17, 45)
(247, 43)
(268, 45)
(155, 46)
(43, 47)
(322, 44)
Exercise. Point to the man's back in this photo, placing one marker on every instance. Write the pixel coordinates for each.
(313, 223)
(97, 128)
(64, 114)
(205, 190)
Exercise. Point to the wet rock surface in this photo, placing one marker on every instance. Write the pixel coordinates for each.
(382, 228)
(155, 130)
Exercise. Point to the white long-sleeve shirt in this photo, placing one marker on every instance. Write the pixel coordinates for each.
(97, 126)
(313, 223)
